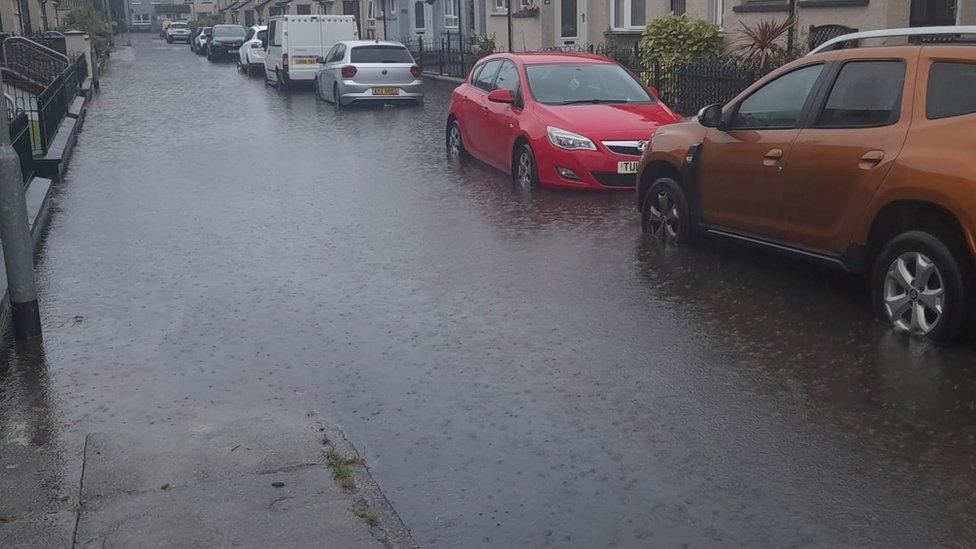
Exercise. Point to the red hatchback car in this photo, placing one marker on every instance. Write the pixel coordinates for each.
(557, 119)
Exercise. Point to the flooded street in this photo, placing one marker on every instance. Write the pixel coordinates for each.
(520, 369)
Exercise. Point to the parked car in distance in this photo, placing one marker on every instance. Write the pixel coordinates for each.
(359, 71)
(251, 54)
(224, 41)
(178, 31)
(558, 119)
(858, 158)
(199, 42)
(295, 42)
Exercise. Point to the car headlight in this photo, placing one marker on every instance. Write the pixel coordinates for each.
(569, 140)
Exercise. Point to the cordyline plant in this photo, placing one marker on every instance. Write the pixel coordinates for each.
(762, 47)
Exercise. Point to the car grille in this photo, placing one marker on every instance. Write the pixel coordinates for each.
(610, 179)
(630, 148)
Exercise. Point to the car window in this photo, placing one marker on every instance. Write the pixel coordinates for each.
(262, 35)
(229, 32)
(778, 103)
(250, 34)
(950, 91)
(507, 77)
(486, 76)
(865, 94)
(380, 54)
(330, 57)
(275, 31)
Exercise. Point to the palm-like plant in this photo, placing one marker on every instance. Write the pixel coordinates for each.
(761, 46)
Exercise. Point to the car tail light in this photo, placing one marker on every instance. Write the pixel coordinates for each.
(415, 71)
(284, 62)
(256, 46)
(348, 71)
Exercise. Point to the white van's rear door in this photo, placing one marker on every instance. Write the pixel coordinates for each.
(304, 46)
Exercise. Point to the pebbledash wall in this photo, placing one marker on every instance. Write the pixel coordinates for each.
(596, 20)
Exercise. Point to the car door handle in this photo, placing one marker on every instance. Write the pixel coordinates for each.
(773, 157)
(871, 159)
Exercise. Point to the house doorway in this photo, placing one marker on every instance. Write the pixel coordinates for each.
(571, 21)
(933, 13)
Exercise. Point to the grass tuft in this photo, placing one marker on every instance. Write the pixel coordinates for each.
(368, 514)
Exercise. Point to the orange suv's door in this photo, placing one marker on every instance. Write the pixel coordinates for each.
(840, 160)
(741, 165)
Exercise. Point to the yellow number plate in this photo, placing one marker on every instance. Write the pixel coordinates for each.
(627, 167)
(305, 61)
(386, 91)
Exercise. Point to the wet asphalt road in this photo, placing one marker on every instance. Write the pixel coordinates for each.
(521, 370)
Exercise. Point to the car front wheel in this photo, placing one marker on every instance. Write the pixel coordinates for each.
(664, 213)
(922, 287)
(524, 169)
(455, 143)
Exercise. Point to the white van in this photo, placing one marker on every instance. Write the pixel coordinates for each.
(296, 41)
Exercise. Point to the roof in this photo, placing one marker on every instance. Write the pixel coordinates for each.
(554, 57)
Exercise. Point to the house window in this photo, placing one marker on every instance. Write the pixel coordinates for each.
(303, 9)
(370, 16)
(500, 6)
(275, 11)
(450, 14)
(629, 14)
(678, 7)
(419, 22)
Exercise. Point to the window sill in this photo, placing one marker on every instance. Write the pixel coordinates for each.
(627, 32)
(832, 3)
(762, 6)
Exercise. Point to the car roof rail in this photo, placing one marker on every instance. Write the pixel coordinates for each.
(935, 35)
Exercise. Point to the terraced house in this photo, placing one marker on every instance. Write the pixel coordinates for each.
(539, 24)
(30, 17)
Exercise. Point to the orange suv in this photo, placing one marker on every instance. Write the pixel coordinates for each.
(859, 157)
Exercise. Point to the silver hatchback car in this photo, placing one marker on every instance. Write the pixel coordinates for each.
(358, 71)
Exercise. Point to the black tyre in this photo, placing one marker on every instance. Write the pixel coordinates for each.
(923, 285)
(665, 213)
(525, 172)
(454, 141)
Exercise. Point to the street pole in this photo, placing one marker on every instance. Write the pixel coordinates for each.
(385, 15)
(508, 15)
(18, 252)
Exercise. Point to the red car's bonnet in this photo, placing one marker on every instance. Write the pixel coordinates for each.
(616, 121)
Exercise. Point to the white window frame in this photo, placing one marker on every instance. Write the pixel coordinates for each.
(500, 6)
(628, 24)
(450, 18)
(718, 17)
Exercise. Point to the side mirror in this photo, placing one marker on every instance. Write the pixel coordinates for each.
(654, 91)
(501, 96)
(320, 60)
(711, 116)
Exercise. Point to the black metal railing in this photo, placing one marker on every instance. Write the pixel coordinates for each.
(20, 138)
(447, 55)
(32, 60)
(820, 34)
(53, 102)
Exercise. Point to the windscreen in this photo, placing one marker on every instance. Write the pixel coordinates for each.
(178, 26)
(380, 54)
(568, 83)
(229, 32)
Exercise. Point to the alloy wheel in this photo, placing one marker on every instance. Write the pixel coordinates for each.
(454, 141)
(663, 216)
(914, 293)
(523, 172)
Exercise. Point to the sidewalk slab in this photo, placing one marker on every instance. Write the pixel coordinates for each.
(246, 483)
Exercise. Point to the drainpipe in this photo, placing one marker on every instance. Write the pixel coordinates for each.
(508, 16)
(791, 37)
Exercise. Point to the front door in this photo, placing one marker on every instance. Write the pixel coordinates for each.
(474, 115)
(839, 162)
(570, 21)
(933, 13)
(502, 118)
(741, 166)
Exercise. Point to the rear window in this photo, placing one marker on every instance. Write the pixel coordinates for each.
(229, 32)
(951, 88)
(380, 54)
(865, 94)
(178, 26)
